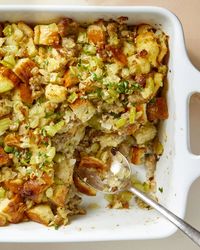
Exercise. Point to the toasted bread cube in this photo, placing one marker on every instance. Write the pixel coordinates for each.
(25, 93)
(145, 133)
(8, 79)
(67, 27)
(83, 109)
(4, 158)
(59, 195)
(14, 185)
(157, 109)
(46, 34)
(83, 187)
(55, 93)
(3, 220)
(138, 154)
(12, 140)
(119, 55)
(23, 69)
(92, 162)
(95, 34)
(41, 214)
(69, 79)
(26, 29)
(147, 41)
(12, 209)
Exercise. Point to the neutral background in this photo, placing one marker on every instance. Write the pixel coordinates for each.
(188, 13)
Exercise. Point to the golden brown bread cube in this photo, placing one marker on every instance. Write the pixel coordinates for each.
(138, 154)
(59, 195)
(23, 69)
(83, 109)
(46, 34)
(41, 213)
(8, 79)
(69, 79)
(13, 209)
(4, 158)
(83, 187)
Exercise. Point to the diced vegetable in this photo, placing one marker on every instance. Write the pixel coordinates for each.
(72, 98)
(8, 61)
(4, 125)
(120, 122)
(132, 115)
(53, 129)
(7, 31)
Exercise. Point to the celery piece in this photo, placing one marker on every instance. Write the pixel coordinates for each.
(132, 115)
(8, 61)
(51, 152)
(5, 84)
(8, 149)
(8, 30)
(53, 129)
(120, 122)
(72, 98)
(2, 192)
(4, 125)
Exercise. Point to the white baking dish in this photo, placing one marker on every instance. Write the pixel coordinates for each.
(177, 168)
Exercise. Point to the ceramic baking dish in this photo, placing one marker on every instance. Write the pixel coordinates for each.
(177, 168)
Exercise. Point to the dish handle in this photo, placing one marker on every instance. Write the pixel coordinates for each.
(193, 83)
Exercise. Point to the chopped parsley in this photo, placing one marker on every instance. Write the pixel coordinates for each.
(160, 189)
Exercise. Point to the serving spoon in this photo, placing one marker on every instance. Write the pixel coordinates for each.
(118, 178)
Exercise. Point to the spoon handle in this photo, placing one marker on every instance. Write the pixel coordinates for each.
(190, 231)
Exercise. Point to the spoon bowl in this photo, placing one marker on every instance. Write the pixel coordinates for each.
(117, 178)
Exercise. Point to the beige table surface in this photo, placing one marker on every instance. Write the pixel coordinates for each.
(188, 13)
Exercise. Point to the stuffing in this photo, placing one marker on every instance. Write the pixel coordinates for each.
(71, 95)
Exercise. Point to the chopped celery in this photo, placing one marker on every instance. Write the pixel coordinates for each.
(4, 125)
(5, 84)
(120, 122)
(72, 98)
(2, 192)
(51, 152)
(8, 149)
(8, 61)
(132, 115)
(8, 30)
(53, 129)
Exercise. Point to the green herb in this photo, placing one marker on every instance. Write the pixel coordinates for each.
(16, 153)
(160, 189)
(136, 86)
(28, 156)
(122, 87)
(96, 78)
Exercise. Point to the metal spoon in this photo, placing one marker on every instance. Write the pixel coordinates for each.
(117, 179)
